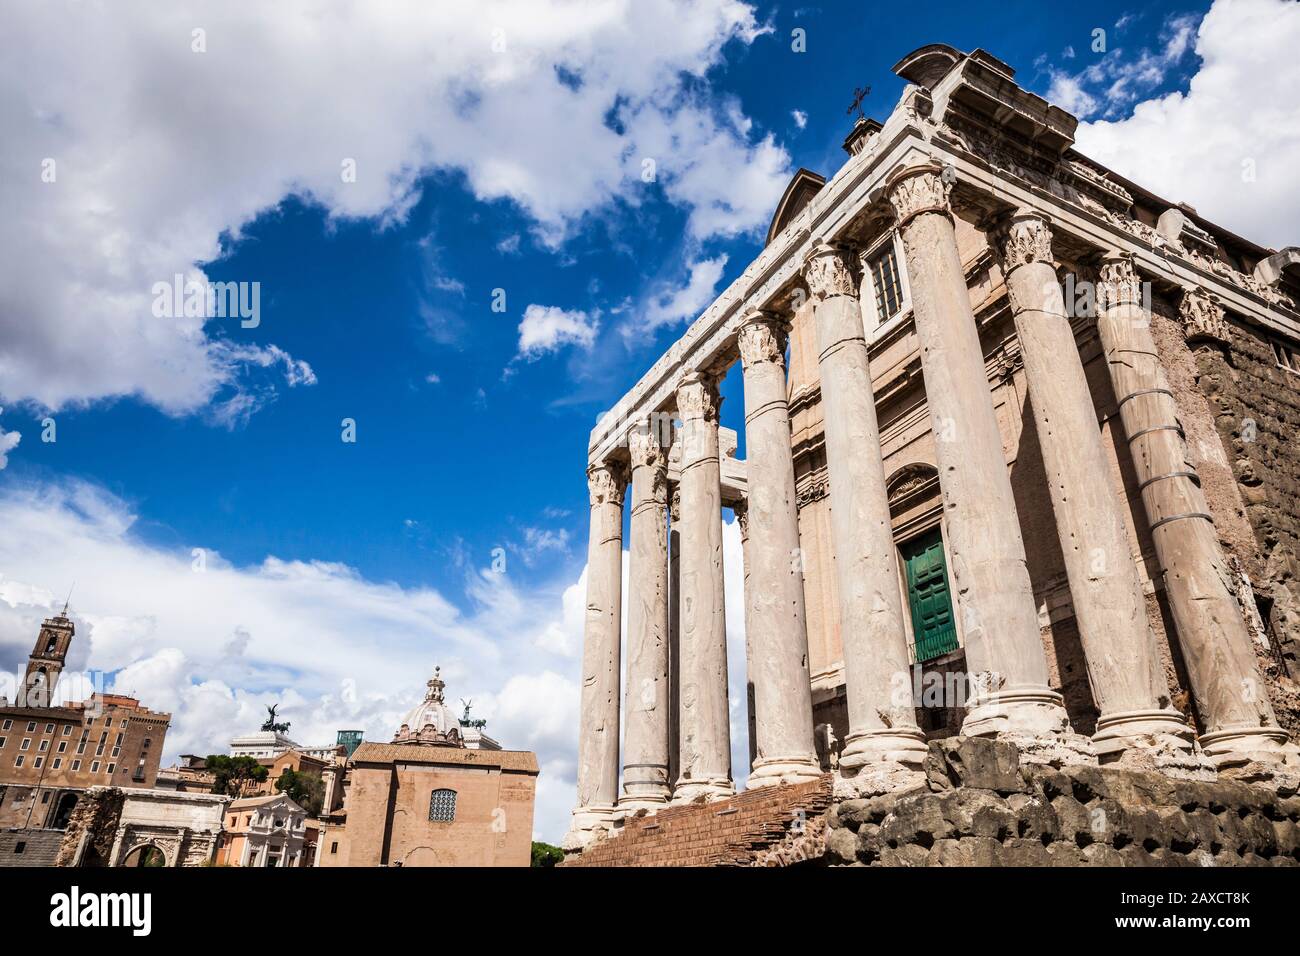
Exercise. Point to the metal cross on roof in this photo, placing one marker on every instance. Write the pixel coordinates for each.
(859, 94)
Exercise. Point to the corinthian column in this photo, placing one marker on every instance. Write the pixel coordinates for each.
(645, 730)
(1237, 720)
(883, 739)
(705, 734)
(1124, 669)
(598, 727)
(775, 625)
(1004, 651)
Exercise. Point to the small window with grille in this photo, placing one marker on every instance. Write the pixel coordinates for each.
(442, 806)
(886, 283)
(1286, 357)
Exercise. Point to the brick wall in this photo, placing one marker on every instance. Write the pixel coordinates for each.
(748, 829)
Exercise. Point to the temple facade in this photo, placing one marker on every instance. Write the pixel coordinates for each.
(1016, 468)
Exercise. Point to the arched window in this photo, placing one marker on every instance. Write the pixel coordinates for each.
(442, 806)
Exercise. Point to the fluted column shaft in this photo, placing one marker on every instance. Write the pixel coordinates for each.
(674, 632)
(1231, 698)
(704, 744)
(1004, 650)
(598, 721)
(775, 622)
(883, 733)
(1124, 669)
(645, 721)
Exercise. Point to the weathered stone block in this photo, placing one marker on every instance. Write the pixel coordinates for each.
(974, 762)
(841, 846)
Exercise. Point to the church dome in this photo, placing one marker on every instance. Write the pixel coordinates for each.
(430, 721)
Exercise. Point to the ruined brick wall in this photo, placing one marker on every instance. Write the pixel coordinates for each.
(1241, 414)
(979, 806)
(769, 826)
(1256, 408)
(95, 818)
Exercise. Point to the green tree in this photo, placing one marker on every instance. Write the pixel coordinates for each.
(235, 776)
(546, 855)
(305, 789)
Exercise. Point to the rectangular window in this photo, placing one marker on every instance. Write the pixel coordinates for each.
(58, 762)
(8, 725)
(94, 766)
(63, 746)
(442, 806)
(67, 729)
(111, 768)
(886, 283)
(27, 742)
(2, 741)
(31, 725)
(45, 745)
(39, 762)
(49, 728)
(18, 761)
(76, 765)
(334, 846)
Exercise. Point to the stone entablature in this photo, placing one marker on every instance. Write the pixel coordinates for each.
(917, 131)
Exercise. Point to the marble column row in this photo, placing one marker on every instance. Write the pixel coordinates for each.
(1010, 695)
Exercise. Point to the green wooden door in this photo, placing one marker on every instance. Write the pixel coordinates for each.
(933, 628)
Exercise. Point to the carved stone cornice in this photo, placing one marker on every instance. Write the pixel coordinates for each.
(1120, 284)
(762, 340)
(810, 487)
(606, 483)
(828, 271)
(698, 398)
(917, 189)
(1022, 239)
(1202, 317)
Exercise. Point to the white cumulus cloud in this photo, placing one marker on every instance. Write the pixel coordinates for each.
(1230, 144)
(138, 135)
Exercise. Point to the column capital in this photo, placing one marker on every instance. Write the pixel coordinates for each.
(1119, 283)
(741, 510)
(762, 339)
(698, 398)
(913, 190)
(1023, 238)
(645, 449)
(606, 482)
(828, 270)
(1202, 316)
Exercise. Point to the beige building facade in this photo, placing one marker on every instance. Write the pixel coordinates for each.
(429, 798)
(1013, 469)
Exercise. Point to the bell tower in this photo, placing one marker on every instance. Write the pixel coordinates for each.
(47, 658)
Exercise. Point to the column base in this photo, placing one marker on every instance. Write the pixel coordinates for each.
(1032, 718)
(1033, 710)
(775, 771)
(1253, 754)
(1158, 740)
(630, 804)
(705, 789)
(902, 747)
(876, 762)
(586, 825)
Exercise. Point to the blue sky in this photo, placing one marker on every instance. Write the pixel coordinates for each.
(513, 169)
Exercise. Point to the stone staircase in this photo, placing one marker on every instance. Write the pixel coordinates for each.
(772, 826)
